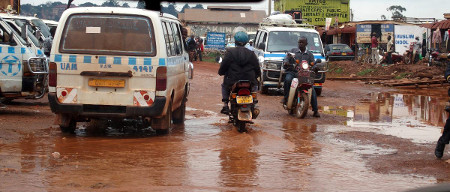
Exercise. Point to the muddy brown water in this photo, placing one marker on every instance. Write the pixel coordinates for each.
(367, 139)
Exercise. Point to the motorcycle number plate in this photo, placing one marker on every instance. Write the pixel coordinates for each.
(244, 99)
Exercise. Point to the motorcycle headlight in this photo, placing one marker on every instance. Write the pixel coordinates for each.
(305, 65)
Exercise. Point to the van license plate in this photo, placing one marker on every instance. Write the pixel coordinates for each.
(244, 99)
(106, 83)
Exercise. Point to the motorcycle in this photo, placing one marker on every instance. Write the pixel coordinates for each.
(437, 58)
(242, 105)
(395, 57)
(300, 92)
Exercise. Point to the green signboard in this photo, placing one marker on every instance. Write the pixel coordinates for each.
(315, 12)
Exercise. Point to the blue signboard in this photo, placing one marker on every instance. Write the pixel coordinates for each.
(215, 40)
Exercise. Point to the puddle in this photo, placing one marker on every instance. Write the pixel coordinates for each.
(405, 115)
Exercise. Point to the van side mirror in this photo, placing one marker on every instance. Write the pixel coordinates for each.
(11, 40)
(261, 46)
(37, 33)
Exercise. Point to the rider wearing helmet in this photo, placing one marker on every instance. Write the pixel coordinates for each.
(239, 63)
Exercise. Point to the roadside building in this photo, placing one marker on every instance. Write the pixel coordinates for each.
(315, 12)
(222, 19)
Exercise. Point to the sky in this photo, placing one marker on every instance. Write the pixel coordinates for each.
(362, 9)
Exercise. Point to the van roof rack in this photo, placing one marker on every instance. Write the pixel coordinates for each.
(283, 20)
(293, 25)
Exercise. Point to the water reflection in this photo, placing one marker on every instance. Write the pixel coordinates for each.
(395, 113)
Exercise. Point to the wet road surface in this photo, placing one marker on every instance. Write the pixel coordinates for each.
(367, 139)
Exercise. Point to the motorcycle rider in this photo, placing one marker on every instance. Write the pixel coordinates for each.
(445, 138)
(239, 63)
(301, 53)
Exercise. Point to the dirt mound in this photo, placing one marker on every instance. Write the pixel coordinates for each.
(419, 70)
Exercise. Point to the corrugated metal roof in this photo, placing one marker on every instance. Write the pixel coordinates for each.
(444, 24)
(222, 16)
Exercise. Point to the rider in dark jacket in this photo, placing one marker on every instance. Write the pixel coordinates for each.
(445, 138)
(239, 63)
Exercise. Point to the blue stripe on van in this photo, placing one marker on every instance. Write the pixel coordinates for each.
(102, 60)
(162, 61)
(132, 61)
(274, 55)
(11, 50)
(72, 58)
(87, 59)
(58, 58)
(148, 61)
(319, 57)
(22, 50)
(0, 49)
(117, 60)
(39, 52)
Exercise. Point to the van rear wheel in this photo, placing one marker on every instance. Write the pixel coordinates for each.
(68, 124)
(180, 113)
(164, 124)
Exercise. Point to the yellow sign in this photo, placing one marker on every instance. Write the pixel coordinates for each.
(106, 83)
(315, 12)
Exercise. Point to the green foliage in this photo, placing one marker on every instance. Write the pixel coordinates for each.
(401, 75)
(339, 70)
(211, 56)
(396, 11)
(365, 72)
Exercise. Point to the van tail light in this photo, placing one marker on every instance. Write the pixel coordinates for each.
(52, 74)
(161, 78)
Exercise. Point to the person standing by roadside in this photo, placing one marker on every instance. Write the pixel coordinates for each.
(191, 47)
(390, 49)
(200, 48)
(445, 138)
(374, 55)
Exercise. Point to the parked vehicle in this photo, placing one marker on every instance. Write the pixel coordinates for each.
(242, 105)
(23, 73)
(275, 37)
(435, 57)
(37, 26)
(301, 90)
(118, 63)
(338, 52)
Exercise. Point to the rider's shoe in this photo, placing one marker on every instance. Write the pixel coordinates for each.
(316, 114)
(439, 151)
(225, 110)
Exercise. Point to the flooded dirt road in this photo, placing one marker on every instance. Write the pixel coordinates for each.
(368, 138)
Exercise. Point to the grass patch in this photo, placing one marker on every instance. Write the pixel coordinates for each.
(365, 72)
(339, 70)
(401, 75)
(210, 56)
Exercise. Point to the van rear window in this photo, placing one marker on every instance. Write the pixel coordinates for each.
(108, 35)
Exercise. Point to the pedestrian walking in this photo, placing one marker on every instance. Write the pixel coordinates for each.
(374, 55)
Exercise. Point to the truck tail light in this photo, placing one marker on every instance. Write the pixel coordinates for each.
(52, 74)
(161, 78)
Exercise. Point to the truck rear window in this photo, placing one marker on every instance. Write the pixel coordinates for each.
(108, 35)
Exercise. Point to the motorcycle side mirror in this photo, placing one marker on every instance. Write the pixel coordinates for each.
(219, 59)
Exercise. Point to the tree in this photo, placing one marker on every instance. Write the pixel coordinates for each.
(88, 4)
(186, 6)
(125, 5)
(383, 17)
(198, 6)
(170, 9)
(396, 12)
(110, 3)
(141, 4)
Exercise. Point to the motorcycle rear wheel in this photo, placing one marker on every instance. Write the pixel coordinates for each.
(302, 106)
(241, 126)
